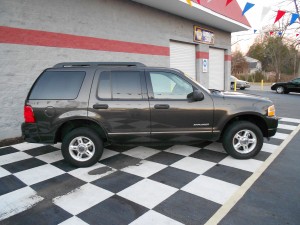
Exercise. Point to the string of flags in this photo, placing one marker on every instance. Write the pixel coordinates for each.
(265, 10)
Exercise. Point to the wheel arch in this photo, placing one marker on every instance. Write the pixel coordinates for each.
(70, 125)
(255, 119)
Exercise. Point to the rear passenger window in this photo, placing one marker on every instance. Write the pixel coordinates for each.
(120, 85)
(57, 85)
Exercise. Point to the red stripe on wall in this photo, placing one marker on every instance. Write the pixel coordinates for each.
(227, 57)
(11, 35)
(202, 55)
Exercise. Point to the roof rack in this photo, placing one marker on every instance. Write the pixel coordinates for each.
(91, 64)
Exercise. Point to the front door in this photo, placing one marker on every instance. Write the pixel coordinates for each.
(174, 117)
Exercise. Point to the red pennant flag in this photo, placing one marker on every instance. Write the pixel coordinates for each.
(297, 35)
(198, 2)
(280, 14)
(228, 2)
(271, 32)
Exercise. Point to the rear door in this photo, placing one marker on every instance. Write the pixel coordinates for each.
(119, 102)
(175, 118)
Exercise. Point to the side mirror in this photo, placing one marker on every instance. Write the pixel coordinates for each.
(196, 96)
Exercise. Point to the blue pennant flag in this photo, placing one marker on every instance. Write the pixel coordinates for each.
(247, 7)
(255, 31)
(295, 16)
(280, 33)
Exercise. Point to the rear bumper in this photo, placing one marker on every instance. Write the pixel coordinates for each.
(31, 134)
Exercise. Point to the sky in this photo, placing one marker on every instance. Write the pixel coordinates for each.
(245, 39)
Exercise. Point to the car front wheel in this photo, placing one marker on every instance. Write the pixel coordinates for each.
(242, 140)
(280, 90)
(82, 147)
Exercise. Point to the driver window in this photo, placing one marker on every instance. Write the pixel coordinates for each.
(169, 86)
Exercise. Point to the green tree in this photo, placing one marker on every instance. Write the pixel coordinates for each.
(238, 63)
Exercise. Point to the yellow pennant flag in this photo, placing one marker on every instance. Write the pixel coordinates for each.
(189, 2)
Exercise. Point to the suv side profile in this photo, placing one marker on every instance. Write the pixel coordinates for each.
(88, 105)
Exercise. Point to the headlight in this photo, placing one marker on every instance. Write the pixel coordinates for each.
(271, 111)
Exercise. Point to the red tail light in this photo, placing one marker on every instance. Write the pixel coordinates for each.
(28, 114)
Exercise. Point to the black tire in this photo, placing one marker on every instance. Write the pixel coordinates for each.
(232, 86)
(231, 135)
(242, 88)
(280, 89)
(88, 144)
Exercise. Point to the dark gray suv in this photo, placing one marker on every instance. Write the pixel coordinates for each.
(87, 105)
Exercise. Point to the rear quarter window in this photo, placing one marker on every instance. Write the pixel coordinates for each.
(58, 85)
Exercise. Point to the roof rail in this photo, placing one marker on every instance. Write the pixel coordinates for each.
(91, 64)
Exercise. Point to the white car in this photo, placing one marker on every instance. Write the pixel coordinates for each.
(241, 84)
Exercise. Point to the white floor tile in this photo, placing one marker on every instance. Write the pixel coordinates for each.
(182, 150)
(57, 145)
(38, 174)
(250, 165)
(290, 120)
(280, 136)
(147, 193)
(269, 148)
(73, 221)
(141, 152)
(82, 198)
(193, 165)
(212, 189)
(51, 157)
(286, 127)
(108, 153)
(17, 201)
(4, 172)
(13, 157)
(25, 146)
(152, 217)
(88, 174)
(216, 146)
(144, 168)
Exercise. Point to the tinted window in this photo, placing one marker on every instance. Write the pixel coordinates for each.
(120, 85)
(169, 86)
(58, 85)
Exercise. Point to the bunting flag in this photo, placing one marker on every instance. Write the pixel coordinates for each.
(264, 12)
(228, 2)
(280, 14)
(295, 16)
(297, 35)
(198, 2)
(271, 33)
(255, 31)
(280, 33)
(189, 2)
(247, 7)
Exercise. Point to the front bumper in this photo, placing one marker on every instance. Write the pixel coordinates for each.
(272, 123)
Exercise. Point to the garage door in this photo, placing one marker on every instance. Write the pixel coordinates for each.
(216, 69)
(183, 57)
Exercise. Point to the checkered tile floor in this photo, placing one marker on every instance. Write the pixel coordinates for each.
(165, 185)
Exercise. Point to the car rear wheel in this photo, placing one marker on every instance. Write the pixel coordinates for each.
(242, 88)
(242, 140)
(280, 90)
(82, 147)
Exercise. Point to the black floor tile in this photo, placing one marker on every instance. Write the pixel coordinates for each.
(7, 150)
(41, 150)
(10, 183)
(284, 131)
(23, 165)
(45, 212)
(273, 141)
(202, 144)
(165, 158)
(114, 210)
(209, 155)
(119, 148)
(187, 208)
(120, 161)
(57, 186)
(173, 177)
(288, 123)
(117, 181)
(228, 174)
(160, 147)
(64, 165)
(262, 156)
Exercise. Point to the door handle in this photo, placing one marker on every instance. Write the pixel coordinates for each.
(161, 106)
(100, 106)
